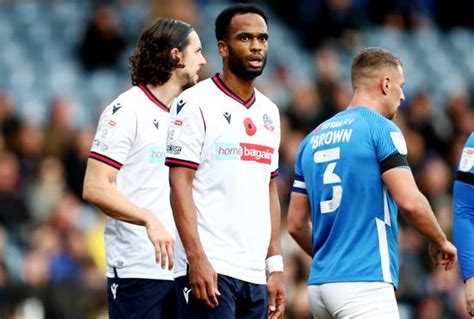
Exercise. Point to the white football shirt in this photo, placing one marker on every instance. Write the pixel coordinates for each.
(233, 146)
(131, 136)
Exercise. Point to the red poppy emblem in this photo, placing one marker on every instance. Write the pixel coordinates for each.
(250, 128)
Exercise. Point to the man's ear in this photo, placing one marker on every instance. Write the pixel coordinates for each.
(223, 48)
(385, 84)
(177, 56)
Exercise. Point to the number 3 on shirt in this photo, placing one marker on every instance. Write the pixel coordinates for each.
(329, 177)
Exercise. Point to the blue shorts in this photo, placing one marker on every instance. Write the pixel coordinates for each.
(238, 299)
(131, 298)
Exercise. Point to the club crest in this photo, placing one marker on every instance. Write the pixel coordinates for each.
(268, 123)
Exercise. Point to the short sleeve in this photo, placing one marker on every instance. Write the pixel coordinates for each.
(463, 209)
(389, 143)
(276, 148)
(186, 133)
(299, 184)
(466, 162)
(115, 134)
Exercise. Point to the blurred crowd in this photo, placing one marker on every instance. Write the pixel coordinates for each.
(52, 259)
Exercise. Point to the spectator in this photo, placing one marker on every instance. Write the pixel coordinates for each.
(103, 42)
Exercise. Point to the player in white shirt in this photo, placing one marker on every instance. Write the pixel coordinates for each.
(222, 151)
(126, 177)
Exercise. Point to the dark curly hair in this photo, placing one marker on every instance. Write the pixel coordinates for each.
(225, 17)
(151, 62)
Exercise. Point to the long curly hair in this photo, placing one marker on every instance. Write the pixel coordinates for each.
(151, 62)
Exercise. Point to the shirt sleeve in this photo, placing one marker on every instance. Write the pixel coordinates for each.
(276, 148)
(299, 184)
(463, 210)
(116, 132)
(186, 133)
(389, 143)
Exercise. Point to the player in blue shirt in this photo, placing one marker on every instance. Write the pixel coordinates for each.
(351, 173)
(463, 219)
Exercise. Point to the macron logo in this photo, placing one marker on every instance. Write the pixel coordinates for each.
(186, 292)
(179, 106)
(227, 116)
(113, 288)
(116, 107)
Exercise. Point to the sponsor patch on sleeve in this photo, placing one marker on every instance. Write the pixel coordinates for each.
(101, 145)
(174, 130)
(399, 142)
(467, 159)
(173, 149)
(106, 129)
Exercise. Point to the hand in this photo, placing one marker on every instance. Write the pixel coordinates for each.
(203, 281)
(276, 294)
(162, 241)
(445, 255)
(469, 290)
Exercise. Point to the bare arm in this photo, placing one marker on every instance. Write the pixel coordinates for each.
(299, 225)
(100, 191)
(417, 211)
(275, 215)
(276, 291)
(202, 277)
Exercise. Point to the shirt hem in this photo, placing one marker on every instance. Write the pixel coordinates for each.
(320, 281)
(124, 274)
(254, 279)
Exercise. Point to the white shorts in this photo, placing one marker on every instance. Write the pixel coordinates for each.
(353, 300)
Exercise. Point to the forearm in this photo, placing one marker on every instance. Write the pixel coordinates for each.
(413, 204)
(113, 203)
(184, 212)
(299, 225)
(275, 216)
(302, 236)
(421, 217)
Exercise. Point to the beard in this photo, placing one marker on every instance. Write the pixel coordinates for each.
(188, 81)
(238, 67)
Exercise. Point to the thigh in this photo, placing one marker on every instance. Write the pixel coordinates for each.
(252, 302)
(141, 298)
(191, 308)
(316, 303)
(360, 300)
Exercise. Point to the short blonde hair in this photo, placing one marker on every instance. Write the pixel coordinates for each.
(370, 60)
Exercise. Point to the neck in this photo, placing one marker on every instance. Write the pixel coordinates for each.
(243, 88)
(166, 92)
(368, 99)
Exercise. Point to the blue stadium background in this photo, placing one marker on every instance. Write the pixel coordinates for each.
(62, 61)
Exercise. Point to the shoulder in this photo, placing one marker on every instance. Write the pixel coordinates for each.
(199, 90)
(470, 140)
(262, 98)
(268, 104)
(191, 99)
(377, 119)
(128, 100)
(306, 140)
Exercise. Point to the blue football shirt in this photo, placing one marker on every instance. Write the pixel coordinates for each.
(463, 202)
(339, 167)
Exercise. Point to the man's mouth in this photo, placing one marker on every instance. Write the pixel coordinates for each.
(256, 61)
